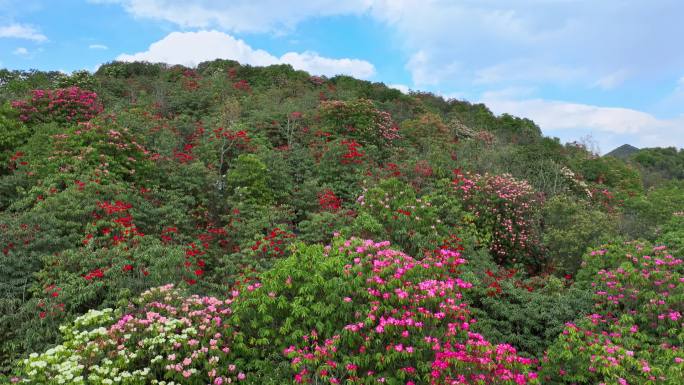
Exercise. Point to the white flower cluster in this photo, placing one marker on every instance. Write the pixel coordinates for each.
(572, 177)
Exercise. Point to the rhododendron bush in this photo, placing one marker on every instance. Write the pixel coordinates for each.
(368, 313)
(360, 119)
(162, 338)
(410, 326)
(634, 335)
(505, 212)
(62, 105)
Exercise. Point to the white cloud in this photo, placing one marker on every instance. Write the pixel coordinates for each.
(191, 48)
(401, 87)
(558, 115)
(523, 42)
(611, 125)
(20, 31)
(98, 46)
(525, 71)
(426, 71)
(680, 85)
(238, 15)
(21, 51)
(313, 63)
(612, 80)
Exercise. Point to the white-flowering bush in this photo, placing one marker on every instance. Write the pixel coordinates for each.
(166, 339)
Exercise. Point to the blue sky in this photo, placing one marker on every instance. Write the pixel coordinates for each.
(611, 70)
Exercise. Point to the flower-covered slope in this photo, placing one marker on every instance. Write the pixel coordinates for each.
(367, 314)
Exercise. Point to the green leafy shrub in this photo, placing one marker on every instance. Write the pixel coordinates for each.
(570, 228)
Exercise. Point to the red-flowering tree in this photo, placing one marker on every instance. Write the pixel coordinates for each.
(64, 105)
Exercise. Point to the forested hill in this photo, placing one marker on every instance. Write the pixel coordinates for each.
(227, 223)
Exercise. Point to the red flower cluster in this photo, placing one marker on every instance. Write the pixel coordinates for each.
(232, 135)
(353, 155)
(165, 235)
(242, 85)
(329, 201)
(392, 170)
(423, 169)
(97, 273)
(194, 266)
(124, 221)
(190, 80)
(113, 208)
(273, 245)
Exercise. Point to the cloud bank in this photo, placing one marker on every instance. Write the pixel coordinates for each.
(21, 31)
(191, 48)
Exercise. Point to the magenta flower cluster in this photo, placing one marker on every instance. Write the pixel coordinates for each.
(417, 329)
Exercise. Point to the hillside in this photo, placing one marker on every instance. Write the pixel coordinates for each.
(623, 152)
(229, 223)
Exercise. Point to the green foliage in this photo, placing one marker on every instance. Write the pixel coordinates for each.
(526, 313)
(673, 234)
(320, 227)
(81, 79)
(248, 180)
(570, 228)
(307, 299)
(391, 210)
(610, 172)
(660, 164)
(13, 134)
(359, 119)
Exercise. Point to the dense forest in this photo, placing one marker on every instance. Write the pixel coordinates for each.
(228, 223)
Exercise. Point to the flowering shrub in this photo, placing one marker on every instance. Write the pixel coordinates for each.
(164, 338)
(634, 335)
(505, 212)
(410, 326)
(352, 154)
(392, 209)
(371, 314)
(65, 105)
(343, 164)
(103, 148)
(242, 85)
(359, 119)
